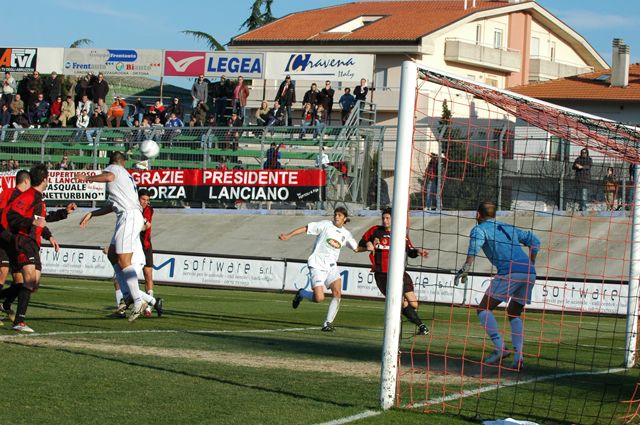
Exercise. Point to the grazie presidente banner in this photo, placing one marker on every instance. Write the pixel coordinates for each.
(233, 185)
(129, 62)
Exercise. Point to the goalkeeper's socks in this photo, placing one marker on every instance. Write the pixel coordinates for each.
(517, 336)
(118, 297)
(488, 321)
(334, 306)
(412, 315)
(307, 295)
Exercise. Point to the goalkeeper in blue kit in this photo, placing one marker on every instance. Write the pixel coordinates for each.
(513, 283)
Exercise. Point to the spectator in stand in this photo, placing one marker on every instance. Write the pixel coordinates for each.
(99, 88)
(54, 122)
(16, 104)
(431, 182)
(97, 121)
(157, 110)
(157, 129)
(361, 91)
(175, 123)
(234, 121)
(308, 118)
(140, 109)
(272, 158)
(347, 102)
(319, 122)
(610, 189)
(53, 87)
(262, 114)
(322, 160)
(326, 100)
(68, 111)
(9, 88)
(84, 105)
(200, 114)
(33, 89)
(39, 111)
(312, 97)
(144, 133)
(116, 111)
(240, 96)
(82, 122)
(82, 88)
(102, 107)
(286, 96)
(276, 115)
(65, 164)
(5, 120)
(582, 166)
(56, 107)
(199, 91)
(222, 90)
(175, 108)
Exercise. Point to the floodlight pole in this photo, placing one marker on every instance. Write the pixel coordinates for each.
(631, 338)
(406, 116)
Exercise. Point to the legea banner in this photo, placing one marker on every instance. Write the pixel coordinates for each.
(234, 64)
(319, 66)
(126, 62)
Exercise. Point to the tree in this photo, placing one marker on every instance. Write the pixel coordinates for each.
(212, 43)
(81, 42)
(267, 16)
(259, 17)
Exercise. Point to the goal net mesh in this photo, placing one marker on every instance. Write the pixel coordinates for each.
(474, 143)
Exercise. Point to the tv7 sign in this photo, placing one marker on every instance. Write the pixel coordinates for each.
(18, 59)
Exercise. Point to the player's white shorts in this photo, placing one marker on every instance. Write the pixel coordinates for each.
(321, 277)
(126, 236)
(515, 286)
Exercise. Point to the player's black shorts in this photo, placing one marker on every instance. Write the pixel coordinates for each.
(148, 256)
(28, 252)
(9, 256)
(4, 254)
(381, 282)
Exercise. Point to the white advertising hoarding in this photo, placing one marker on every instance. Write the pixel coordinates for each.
(319, 66)
(127, 62)
(50, 59)
(63, 186)
(234, 64)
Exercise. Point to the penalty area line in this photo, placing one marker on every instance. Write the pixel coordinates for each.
(352, 418)
(154, 331)
(470, 393)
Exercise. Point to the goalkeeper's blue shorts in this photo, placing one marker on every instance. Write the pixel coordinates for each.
(515, 286)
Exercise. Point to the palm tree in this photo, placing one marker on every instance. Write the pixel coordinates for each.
(81, 42)
(212, 43)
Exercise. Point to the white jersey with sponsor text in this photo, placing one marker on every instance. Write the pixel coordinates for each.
(123, 193)
(330, 239)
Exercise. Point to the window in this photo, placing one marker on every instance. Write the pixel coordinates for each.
(380, 79)
(478, 34)
(558, 149)
(552, 51)
(535, 47)
(491, 81)
(497, 38)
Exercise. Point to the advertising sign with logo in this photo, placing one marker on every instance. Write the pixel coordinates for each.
(183, 64)
(141, 63)
(86, 262)
(233, 185)
(18, 59)
(63, 186)
(234, 64)
(319, 66)
(216, 271)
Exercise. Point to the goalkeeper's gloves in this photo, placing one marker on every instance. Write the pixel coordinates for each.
(462, 274)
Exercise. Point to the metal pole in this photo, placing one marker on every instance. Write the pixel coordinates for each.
(379, 170)
(439, 184)
(562, 171)
(389, 372)
(501, 164)
(631, 339)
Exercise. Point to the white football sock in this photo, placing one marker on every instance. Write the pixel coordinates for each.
(131, 278)
(334, 306)
(148, 298)
(118, 296)
(122, 282)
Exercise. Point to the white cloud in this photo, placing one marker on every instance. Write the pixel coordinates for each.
(585, 19)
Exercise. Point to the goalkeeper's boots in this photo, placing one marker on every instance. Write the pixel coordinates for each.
(159, 307)
(423, 330)
(497, 357)
(328, 327)
(138, 311)
(518, 363)
(297, 299)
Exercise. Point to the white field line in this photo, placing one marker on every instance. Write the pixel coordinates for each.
(154, 331)
(353, 418)
(477, 391)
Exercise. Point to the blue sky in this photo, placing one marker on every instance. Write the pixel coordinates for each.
(56, 23)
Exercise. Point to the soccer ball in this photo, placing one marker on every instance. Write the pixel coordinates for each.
(150, 149)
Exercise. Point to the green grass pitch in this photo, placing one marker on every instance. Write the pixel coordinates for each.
(230, 357)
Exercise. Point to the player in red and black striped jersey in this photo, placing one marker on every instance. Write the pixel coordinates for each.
(26, 217)
(376, 241)
(147, 248)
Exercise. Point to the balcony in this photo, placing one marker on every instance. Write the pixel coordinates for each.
(484, 56)
(543, 68)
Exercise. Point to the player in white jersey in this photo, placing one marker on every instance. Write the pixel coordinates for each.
(123, 198)
(323, 268)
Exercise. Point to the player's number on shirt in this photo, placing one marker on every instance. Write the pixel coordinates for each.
(504, 231)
